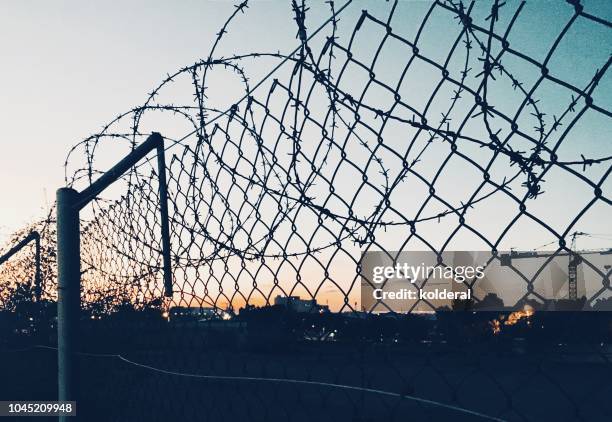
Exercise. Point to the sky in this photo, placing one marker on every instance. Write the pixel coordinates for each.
(69, 67)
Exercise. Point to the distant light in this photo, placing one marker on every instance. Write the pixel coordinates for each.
(226, 316)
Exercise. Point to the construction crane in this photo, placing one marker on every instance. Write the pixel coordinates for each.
(575, 259)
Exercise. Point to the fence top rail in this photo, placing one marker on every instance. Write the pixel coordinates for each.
(32, 236)
(154, 141)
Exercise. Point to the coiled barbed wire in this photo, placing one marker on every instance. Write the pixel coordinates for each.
(326, 157)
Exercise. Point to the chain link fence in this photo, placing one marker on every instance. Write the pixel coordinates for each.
(413, 126)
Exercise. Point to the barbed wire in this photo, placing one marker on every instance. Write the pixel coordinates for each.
(247, 179)
(363, 138)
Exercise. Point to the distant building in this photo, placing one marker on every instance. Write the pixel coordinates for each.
(300, 305)
(356, 314)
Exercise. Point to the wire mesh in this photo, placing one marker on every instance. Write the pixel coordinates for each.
(457, 127)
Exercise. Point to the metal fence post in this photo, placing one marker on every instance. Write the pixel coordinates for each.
(38, 275)
(35, 236)
(69, 204)
(165, 224)
(69, 293)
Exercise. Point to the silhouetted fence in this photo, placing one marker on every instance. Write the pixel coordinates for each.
(435, 127)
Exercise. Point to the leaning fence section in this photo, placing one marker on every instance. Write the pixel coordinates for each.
(28, 266)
